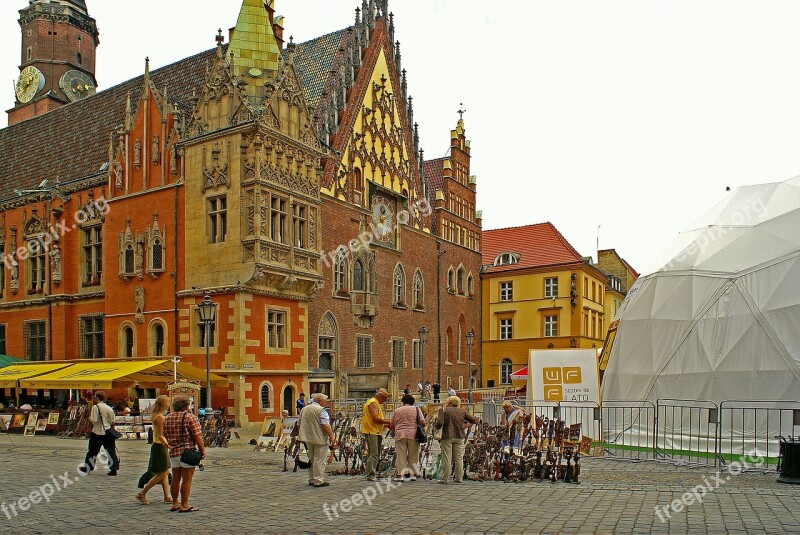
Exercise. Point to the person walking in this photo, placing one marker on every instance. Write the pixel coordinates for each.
(315, 432)
(372, 424)
(159, 454)
(182, 431)
(404, 425)
(101, 417)
(452, 419)
(301, 403)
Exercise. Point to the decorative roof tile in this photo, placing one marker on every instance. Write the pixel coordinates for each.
(434, 172)
(315, 59)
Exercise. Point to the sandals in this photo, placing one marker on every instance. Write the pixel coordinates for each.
(189, 510)
(168, 500)
(141, 498)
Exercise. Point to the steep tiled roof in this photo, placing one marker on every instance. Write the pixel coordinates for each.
(538, 245)
(72, 141)
(434, 172)
(314, 60)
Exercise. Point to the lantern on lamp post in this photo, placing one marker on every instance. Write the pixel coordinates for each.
(208, 312)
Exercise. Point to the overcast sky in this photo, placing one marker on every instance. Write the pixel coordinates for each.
(632, 115)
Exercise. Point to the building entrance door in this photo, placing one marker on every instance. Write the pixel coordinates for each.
(288, 400)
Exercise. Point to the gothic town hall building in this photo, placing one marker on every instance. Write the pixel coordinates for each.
(283, 179)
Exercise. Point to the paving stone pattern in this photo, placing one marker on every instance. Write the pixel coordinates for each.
(245, 491)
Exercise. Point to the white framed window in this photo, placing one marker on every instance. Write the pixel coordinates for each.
(505, 372)
(507, 291)
(506, 259)
(551, 325)
(340, 271)
(93, 256)
(276, 329)
(419, 290)
(278, 220)
(91, 339)
(551, 287)
(506, 329)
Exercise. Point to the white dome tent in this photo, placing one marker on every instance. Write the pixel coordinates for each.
(720, 320)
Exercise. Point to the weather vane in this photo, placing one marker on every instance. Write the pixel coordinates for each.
(461, 111)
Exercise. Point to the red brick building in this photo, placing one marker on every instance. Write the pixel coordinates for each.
(243, 172)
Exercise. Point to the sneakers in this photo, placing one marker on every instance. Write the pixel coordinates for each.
(413, 478)
(325, 484)
(398, 479)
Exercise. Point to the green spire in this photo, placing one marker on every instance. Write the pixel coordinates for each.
(253, 41)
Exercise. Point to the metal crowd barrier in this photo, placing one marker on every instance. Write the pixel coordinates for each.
(628, 429)
(749, 431)
(586, 413)
(687, 431)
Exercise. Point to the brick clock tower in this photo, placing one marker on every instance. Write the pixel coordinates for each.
(59, 42)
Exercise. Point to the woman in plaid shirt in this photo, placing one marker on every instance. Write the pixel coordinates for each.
(182, 431)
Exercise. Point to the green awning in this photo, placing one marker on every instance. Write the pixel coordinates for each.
(5, 360)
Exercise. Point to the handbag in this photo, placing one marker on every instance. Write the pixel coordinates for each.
(421, 436)
(110, 431)
(192, 457)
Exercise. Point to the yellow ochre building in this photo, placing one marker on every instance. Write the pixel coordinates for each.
(538, 293)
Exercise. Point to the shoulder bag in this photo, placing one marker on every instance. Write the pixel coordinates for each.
(421, 436)
(192, 457)
(110, 431)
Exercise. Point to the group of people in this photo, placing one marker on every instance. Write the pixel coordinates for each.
(173, 433)
(316, 433)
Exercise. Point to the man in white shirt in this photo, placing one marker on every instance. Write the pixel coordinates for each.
(451, 391)
(102, 418)
(315, 433)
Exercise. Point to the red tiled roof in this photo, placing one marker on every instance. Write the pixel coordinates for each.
(72, 141)
(537, 245)
(315, 59)
(434, 173)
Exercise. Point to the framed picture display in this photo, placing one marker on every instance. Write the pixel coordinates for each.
(41, 424)
(52, 418)
(146, 409)
(30, 425)
(5, 422)
(17, 420)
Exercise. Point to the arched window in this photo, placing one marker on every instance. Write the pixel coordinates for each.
(419, 290)
(265, 397)
(450, 280)
(505, 259)
(129, 266)
(505, 372)
(449, 348)
(158, 255)
(470, 285)
(128, 342)
(158, 340)
(460, 280)
(358, 276)
(340, 271)
(399, 286)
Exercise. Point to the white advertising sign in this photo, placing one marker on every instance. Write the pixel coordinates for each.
(563, 375)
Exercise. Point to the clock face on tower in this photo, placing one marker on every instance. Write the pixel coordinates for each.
(383, 220)
(76, 85)
(30, 82)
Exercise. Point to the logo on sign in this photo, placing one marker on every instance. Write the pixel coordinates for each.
(554, 379)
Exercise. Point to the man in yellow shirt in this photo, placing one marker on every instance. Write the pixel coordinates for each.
(372, 425)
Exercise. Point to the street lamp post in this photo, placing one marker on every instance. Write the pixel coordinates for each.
(175, 359)
(208, 311)
(470, 341)
(423, 337)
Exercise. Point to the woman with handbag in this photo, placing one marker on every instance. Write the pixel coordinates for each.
(159, 453)
(182, 431)
(408, 424)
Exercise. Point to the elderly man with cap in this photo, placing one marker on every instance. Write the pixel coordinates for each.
(315, 431)
(372, 424)
(512, 417)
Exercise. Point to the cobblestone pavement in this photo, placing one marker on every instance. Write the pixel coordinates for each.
(246, 491)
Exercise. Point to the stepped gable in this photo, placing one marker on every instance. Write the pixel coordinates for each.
(71, 142)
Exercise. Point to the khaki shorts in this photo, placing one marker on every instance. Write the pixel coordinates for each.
(175, 462)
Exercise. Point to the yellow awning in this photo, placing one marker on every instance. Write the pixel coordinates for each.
(96, 374)
(11, 374)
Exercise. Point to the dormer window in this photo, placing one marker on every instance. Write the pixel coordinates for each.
(506, 259)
